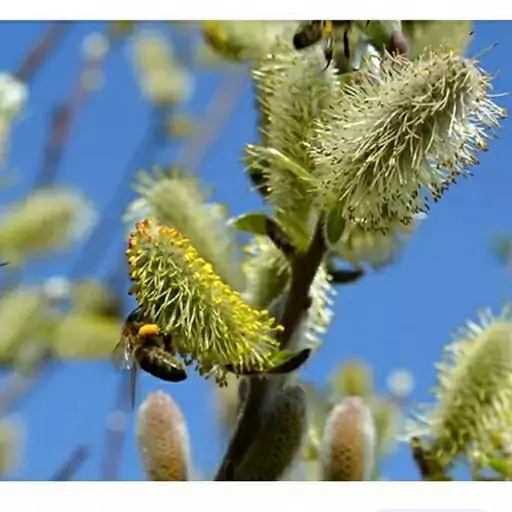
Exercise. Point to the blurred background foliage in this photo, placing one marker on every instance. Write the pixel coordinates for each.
(77, 315)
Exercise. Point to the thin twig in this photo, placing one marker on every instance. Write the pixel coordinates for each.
(18, 385)
(304, 268)
(117, 424)
(99, 242)
(41, 50)
(62, 119)
(72, 465)
(220, 108)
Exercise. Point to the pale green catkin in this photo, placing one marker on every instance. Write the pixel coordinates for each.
(473, 393)
(291, 91)
(176, 199)
(45, 220)
(389, 142)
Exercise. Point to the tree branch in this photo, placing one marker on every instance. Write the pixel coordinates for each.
(33, 61)
(72, 464)
(304, 268)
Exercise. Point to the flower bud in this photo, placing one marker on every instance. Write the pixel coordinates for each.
(353, 378)
(348, 446)
(163, 440)
(47, 219)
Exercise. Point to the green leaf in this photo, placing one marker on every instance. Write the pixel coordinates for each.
(334, 226)
(294, 229)
(289, 164)
(501, 466)
(255, 223)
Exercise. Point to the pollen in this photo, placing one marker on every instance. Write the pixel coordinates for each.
(149, 330)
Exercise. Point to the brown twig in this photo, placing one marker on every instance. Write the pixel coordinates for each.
(71, 465)
(221, 106)
(304, 268)
(41, 50)
(62, 119)
(117, 424)
(149, 143)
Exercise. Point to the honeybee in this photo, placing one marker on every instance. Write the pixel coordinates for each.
(143, 345)
(311, 32)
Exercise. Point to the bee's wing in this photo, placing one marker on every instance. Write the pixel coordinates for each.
(121, 356)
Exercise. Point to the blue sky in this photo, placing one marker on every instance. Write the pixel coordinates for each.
(399, 317)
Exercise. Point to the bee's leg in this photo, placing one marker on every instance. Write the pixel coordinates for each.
(134, 316)
(290, 365)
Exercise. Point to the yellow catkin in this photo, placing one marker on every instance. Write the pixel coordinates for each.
(209, 322)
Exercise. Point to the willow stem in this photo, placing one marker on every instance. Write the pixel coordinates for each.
(304, 269)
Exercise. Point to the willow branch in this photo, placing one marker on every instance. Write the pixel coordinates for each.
(71, 465)
(61, 121)
(41, 50)
(18, 385)
(304, 268)
(117, 425)
(220, 108)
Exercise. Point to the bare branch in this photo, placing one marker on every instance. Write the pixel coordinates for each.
(41, 50)
(72, 465)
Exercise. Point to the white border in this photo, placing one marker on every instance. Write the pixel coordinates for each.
(252, 9)
(258, 497)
